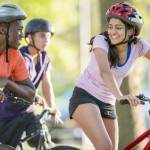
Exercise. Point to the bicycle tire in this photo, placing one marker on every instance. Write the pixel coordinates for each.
(6, 147)
(65, 148)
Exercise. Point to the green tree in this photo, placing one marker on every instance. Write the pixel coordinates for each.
(64, 48)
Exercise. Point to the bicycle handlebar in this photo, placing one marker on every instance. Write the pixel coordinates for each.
(142, 98)
(18, 100)
(51, 111)
(9, 96)
(24, 103)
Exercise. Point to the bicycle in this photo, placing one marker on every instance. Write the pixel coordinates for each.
(44, 140)
(143, 136)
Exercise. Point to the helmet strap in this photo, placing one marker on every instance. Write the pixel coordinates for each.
(128, 41)
(29, 44)
(33, 45)
(7, 43)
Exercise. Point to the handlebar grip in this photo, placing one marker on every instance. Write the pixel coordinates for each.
(123, 102)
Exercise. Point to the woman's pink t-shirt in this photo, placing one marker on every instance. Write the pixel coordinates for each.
(91, 81)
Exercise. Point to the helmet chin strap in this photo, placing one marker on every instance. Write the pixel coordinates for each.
(128, 41)
(7, 43)
(32, 45)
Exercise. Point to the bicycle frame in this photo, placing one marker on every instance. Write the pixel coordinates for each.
(146, 134)
(44, 140)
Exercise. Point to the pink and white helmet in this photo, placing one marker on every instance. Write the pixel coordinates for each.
(128, 14)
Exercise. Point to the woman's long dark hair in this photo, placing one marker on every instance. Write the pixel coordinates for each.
(113, 56)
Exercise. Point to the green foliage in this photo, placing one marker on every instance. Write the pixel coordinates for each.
(144, 8)
(64, 47)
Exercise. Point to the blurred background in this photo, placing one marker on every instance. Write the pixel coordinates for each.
(76, 21)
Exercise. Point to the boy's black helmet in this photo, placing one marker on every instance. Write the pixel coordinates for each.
(11, 12)
(37, 25)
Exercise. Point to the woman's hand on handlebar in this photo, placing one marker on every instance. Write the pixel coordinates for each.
(133, 100)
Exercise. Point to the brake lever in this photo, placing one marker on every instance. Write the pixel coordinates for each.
(143, 98)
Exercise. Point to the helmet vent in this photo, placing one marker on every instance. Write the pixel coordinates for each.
(8, 6)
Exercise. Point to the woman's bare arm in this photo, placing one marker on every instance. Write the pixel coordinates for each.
(106, 74)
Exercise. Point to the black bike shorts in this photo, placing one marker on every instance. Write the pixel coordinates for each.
(81, 96)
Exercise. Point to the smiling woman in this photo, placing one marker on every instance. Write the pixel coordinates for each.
(113, 53)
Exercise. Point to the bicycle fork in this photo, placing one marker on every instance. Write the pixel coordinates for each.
(44, 142)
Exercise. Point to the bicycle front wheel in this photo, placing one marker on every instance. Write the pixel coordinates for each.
(6, 147)
(65, 148)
